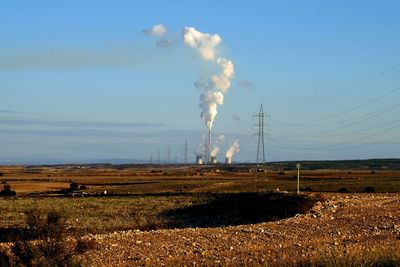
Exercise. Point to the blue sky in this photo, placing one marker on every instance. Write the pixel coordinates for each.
(79, 80)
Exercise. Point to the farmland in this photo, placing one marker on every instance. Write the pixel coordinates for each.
(99, 200)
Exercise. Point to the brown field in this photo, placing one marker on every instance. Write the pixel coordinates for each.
(156, 179)
(141, 199)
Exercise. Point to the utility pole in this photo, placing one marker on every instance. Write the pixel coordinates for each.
(186, 153)
(260, 146)
(298, 178)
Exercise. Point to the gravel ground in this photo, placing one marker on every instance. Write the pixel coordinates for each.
(342, 224)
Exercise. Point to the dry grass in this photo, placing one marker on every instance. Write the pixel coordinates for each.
(94, 214)
(359, 256)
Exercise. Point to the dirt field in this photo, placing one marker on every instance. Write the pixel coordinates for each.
(114, 204)
(345, 230)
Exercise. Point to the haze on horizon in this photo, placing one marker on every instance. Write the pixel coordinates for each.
(89, 81)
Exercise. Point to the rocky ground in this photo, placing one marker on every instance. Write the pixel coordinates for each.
(342, 226)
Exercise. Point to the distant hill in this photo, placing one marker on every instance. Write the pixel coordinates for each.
(364, 164)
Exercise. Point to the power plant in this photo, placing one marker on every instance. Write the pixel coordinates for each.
(199, 160)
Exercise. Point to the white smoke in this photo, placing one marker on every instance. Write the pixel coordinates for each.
(204, 43)
(234, 148)
(156, 30)
(216, 86)
(216, 149)
(201, 149)
(223, 80)
(209, 101)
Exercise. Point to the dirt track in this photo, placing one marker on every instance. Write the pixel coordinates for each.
(342, 224)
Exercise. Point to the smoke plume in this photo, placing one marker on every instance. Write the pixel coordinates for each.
(216, 149)
(214, 88)
(200, 151)
(206, 45)
(235, 148)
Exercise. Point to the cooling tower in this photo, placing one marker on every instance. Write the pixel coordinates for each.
(199, 160)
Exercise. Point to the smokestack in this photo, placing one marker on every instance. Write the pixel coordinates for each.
(228, 160)
(209, 146)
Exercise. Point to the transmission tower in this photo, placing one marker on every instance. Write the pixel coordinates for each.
(169, 155)
(260, 146)
(186, 152)
(159, 157)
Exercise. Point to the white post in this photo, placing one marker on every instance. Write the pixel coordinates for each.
(298, 178)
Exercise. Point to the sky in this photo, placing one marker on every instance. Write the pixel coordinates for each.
(84, 81)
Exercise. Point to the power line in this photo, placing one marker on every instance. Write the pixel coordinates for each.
(357, 85)
(312, 122)
(335, 145)
(351, 122)
(362, 138)
(367, 116)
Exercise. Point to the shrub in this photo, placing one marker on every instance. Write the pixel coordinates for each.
(7, 191)
(282, 173)
(369, 189)
(343, 190)
(308, 189)
(83, 187)
(73, 186)
(83, 245)
(52, 248)
(372, 172)
(4, 259)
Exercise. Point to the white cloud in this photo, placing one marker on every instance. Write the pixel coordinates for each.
(156, 30)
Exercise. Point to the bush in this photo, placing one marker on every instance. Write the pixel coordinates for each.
(83, 245)
(83, 187)
(4, 259)
(7, 191)
(369, 189)
(73, 186)
(282, 173)
(343, 190)
(308, 189)
(52, 248)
